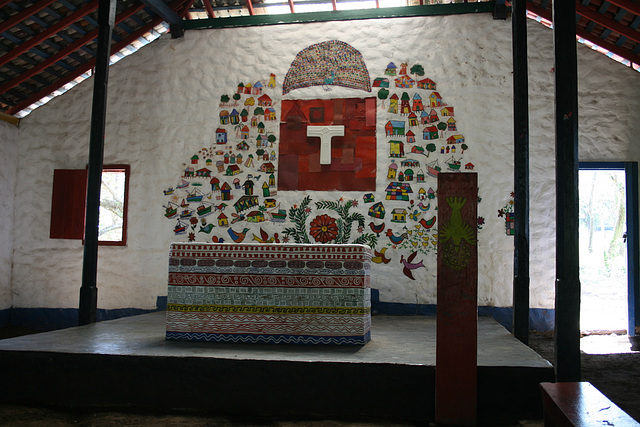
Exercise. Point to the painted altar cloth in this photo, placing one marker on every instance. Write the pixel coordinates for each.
(269, 293)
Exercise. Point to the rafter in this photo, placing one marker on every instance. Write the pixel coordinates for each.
(26, 13)
(608, 23)
(627, 5)
(83, 68)
(48, 32)
(161, 9)
(66, 51)
(543, 13)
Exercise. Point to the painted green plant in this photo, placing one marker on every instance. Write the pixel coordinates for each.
(346, 220)
(298, 216)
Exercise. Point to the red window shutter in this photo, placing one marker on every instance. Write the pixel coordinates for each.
(68, 204)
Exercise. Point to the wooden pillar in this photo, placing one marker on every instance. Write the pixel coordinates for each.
(457, 313)
(521, 171)
(89, 290)
(567, 313)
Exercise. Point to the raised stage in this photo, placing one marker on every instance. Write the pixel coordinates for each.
(127, 363)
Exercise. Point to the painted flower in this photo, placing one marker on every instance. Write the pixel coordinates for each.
(354, 203)
(192, 237)
(193, 220)
(360, 230)
(480, 220)
(323, 228)
(501, 213)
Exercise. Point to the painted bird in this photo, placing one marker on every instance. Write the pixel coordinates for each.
(396, 240)
(237, 237)
(428, 224)
(424, 208)
(207, 228)
(216, 239)
(379, 257)
(377, 228)
(410, 265)
(264, 237)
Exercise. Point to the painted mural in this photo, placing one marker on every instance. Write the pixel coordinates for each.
(261, 179)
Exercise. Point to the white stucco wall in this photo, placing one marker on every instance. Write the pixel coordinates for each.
(164, 106)
(9, 137)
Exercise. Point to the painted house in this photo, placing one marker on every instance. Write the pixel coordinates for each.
(435, 100)
(420, 176)
(225, 192)
(244, 115)
(377, 210)
(451, 125)
(234, 117)
(265, 101)
(408, 175)
(221, 136)
(245, 202)
(393, 170)
(270, 114)
(242, 145)
(391, 69)
(447, 111)
(266, 190)
(189, 172)
(232, 170)
(215, 184)
(247, 88)
(224, 117)
(399, 215)
(398, 191)
(380, 82)
(411, 137)
(255, 216)
(240, 88)
(405, 107)
(248, 187)
(403, 68)
(257, 88)
(416, 149)
(393, 104)
(433, 116)
(194, 159)
(394, 128)
(267, 167)
(244, 132)
(412, 119)
(222, 220)
(417, 103)
(430, 132)
(426, 84)
(203, 173)
(396, 149)
(405, 82)
(410, 163)
(469, 166)
(455, 139)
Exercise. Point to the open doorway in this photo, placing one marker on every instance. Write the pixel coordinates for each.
(608, 201)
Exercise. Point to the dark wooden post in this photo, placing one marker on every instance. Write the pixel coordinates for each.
(521, 171)
(89, 290)
(457, 313)
(567, 316)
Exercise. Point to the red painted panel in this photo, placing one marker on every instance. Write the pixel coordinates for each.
(457, 315)
(68, 204)
(353, 166)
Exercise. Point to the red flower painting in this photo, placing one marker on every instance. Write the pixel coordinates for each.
(323, 228)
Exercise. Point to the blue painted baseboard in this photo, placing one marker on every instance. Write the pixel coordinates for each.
(47, 319)
(540, 319)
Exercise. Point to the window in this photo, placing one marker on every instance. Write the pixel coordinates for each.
(69, 198)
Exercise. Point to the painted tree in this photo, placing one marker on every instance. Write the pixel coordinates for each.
(431, 147)
(417, 69)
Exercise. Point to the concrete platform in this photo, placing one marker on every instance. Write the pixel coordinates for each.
(128, 363)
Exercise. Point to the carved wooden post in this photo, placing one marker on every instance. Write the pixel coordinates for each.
(457, 316)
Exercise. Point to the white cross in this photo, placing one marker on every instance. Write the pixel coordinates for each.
(325, 133)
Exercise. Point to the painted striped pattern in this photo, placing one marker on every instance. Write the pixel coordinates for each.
(283, 293)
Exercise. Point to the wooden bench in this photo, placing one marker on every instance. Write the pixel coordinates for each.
(580, 404)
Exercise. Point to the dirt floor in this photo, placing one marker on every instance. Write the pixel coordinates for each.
(616, 375)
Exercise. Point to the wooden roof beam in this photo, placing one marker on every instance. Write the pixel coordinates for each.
(66, 51)
(588, 36)
(599, 18)
(209, 8)
(48, 32)
(167, 14)
(26, 13)
(83, 68)
(627, 5)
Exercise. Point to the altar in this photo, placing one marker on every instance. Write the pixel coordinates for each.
(255, 293)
